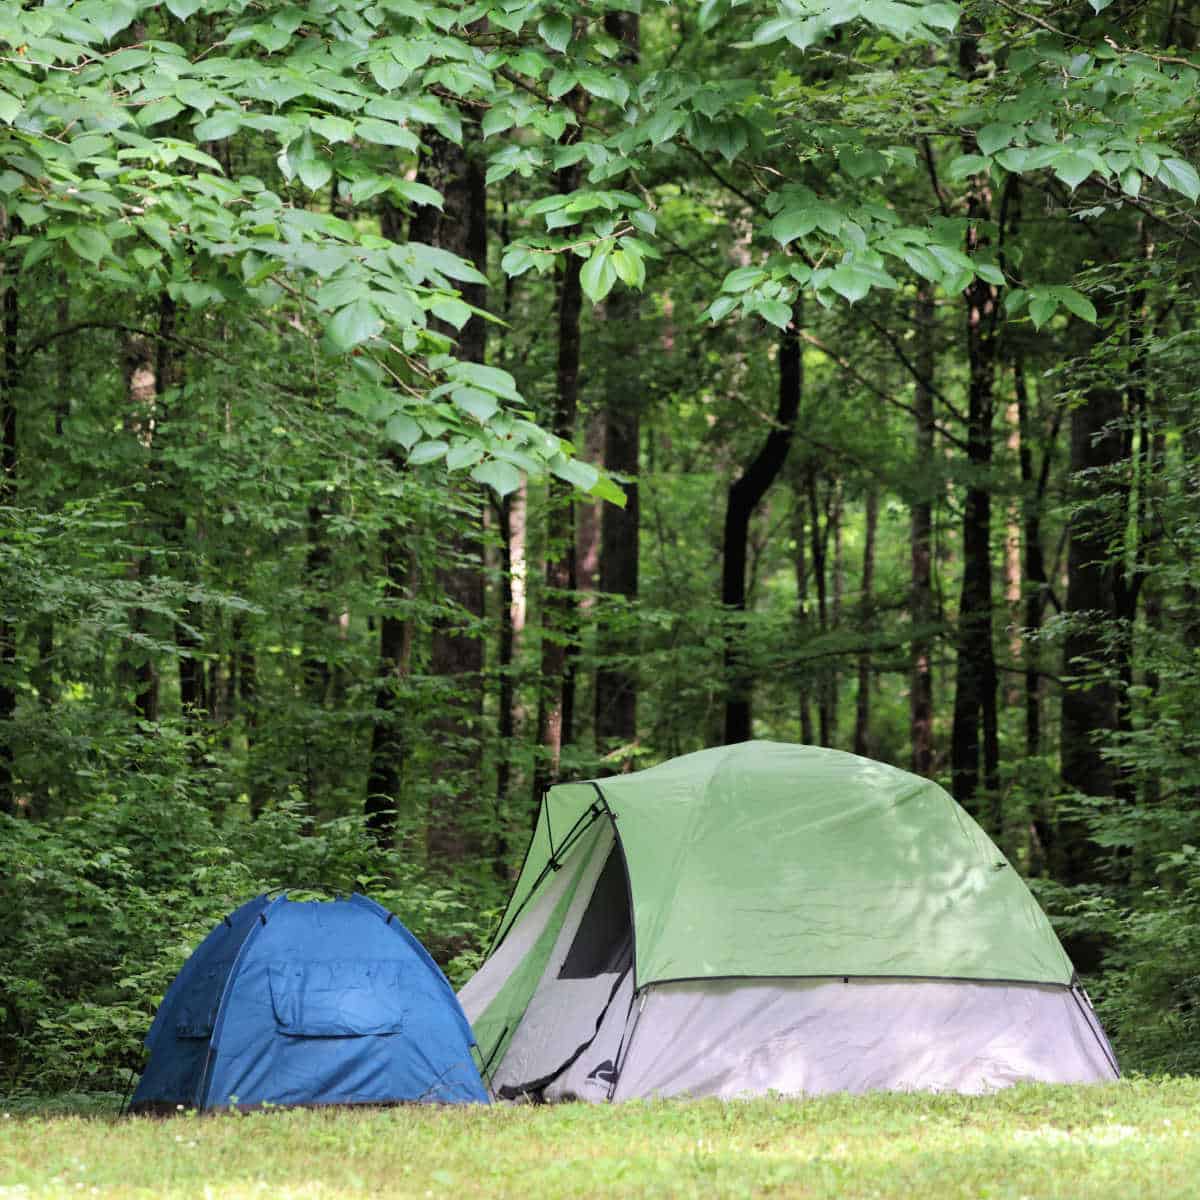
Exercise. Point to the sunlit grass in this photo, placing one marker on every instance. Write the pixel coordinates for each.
(1136, 1138)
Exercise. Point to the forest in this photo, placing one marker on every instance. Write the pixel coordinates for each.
(407, 405)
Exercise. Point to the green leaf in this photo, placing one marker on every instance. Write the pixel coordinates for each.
(158, 111)
(743, 279)
(314, 170)
(333, 129)
(773, 30)
(384, 133)
(1072, 168)
(598, 275)
(851, 281)
(112, 16)
(580, 474)
(1180, 176)
(965, 165)
(722, 306)
(1042, 306)
(791, 224)
(603, 84)
(555, 30)
(491, 379)
(463, 454)
(502, 477)
(451, 310)
(418, 193)
(481, 405)
(990, 274)
(630, 268)
(426, 452)
(1014, 302)
(10, 106)
(1077, 303)
(994, 137)
(184, 8)
(775, 311)
(497, 119)
(352, 325)
(607, 488)
(517, 260)
(89, 243)
(219, 126)
(403, 429)
(862, 163)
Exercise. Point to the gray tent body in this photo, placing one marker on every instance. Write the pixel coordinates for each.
(587, 1033)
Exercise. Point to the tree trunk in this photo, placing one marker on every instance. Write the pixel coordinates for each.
(456, 647)
(506, 717)
(556, 695)
(8, 489)
(862, 721)
(617, 640)
(388, 743)
(615, 718)
(1033, 566)
(1089, 708)
(589, 516)
(921, 605)
(140, 362)
(803, 630)
(974, 728)
(820, 525)
(745, 493)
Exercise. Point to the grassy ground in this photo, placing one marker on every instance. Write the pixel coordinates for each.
(1128, 1139)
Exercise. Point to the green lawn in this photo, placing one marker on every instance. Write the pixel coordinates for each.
(1138, 1138)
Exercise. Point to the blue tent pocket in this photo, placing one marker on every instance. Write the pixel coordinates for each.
(340, 998)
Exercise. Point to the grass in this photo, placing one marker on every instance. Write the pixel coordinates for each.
(1139, 1137)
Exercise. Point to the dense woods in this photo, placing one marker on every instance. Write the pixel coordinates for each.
(406, 406)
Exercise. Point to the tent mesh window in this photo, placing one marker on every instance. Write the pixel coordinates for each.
(604, 941)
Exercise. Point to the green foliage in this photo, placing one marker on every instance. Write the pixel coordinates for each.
(106, 905)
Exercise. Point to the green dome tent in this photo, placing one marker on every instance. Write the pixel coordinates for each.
(767, 917)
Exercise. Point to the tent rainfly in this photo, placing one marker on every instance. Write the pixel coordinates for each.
(320, 1002)
(767, 917)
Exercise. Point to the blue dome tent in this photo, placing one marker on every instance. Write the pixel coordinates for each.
(318, 1002)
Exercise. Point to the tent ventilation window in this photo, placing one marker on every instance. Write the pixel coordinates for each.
(604, 941)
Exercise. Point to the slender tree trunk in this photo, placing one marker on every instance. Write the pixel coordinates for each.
(819, 530)
(388, 743)
(1012, 564)
(456, 647)
(1033, 567)
(556, 694)
(862, 721)
(246, 674)
(974, 729)
(615, 718)
(803, 630)
(140, 361)
(315, 667)
(922, 605)
(745, 493)
(617, 640)
(589, 516)
(1089, 699)
(8, 489)
(506, 723)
